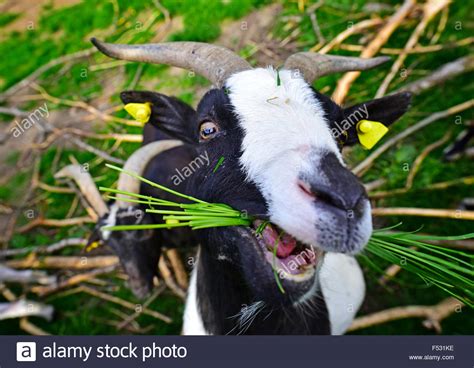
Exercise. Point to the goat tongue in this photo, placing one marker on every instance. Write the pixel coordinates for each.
(285, 243)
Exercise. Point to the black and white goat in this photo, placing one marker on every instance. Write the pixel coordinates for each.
(283, 163)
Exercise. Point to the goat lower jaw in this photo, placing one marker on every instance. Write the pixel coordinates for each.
(294, 261)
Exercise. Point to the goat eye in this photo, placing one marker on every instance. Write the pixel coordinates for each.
(208, 130)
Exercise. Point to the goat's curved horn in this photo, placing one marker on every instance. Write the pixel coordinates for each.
(137, 164)
(215, 63)
(313, 65)
(86, 186)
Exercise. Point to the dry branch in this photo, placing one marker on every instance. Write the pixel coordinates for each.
(167, 276)
(424, 212)
(469, 180)
(433, 315)
(178, 268)
(23, 308)
(415, 50)
(440, 75)
(44, 249)
(364, 165)
(124, 303)
(421, 157)
(31, 328)
(430, 9)
(356, 28)
(74, 280)
(372, 48)
(54, 223)
(139, 311)
(26, 276)
(73, 262)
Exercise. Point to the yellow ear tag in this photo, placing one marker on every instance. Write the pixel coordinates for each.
(370, 132)
(140, 111)
(92, 245)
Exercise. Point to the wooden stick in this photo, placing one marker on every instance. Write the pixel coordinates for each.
(364, 165)
(31, 328)
(441, 185)
(59, 262)
(440, 75)
(124, 303)
(424, 212)
(55, 223)
(433, 315)
(356, 28)
(415, 50)
(139, 311)
(178, 268)
(372, 48)
(44, 249)
(25, 276)
(168, 278)
(430, 9)
(74, 280)
(421, 157)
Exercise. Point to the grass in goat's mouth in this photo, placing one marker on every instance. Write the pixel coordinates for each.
(448, 269)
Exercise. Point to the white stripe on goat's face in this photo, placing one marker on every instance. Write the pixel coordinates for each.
(286, 141)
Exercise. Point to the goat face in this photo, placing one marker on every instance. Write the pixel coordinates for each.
(282, 162)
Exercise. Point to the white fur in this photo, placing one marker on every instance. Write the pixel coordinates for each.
(110, 221)
(283, 126)
(192, 320)
(343, 287)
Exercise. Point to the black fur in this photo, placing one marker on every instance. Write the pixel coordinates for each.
(230, 274)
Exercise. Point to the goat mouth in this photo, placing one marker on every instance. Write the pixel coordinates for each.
(291, 259)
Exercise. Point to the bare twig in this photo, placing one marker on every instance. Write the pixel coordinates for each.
(421, 157)
(23, 308)
(415, 50)
(433, 315)
(139, 311)
(430, 9)
(436, 186)
(440, 75)
(31, 328)
(168, 278)
(372, 48)
(124, 303)
(74, 280)
(356, 28)
(26, 276)
(72, 262)
(424, 212)
(54, 223)
(44, 249)
(178, 268)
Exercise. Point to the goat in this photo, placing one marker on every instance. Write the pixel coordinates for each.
(281, 146)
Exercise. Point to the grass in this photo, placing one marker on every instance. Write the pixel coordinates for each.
(62, 31)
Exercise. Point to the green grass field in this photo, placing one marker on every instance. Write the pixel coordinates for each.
(57, 30)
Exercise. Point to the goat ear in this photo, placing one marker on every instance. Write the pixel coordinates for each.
(168, 114)
(385, 110)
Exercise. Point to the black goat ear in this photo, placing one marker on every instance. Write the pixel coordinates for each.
(168, 114)
(385, 110)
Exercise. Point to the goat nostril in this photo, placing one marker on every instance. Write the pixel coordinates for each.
(306, 188)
